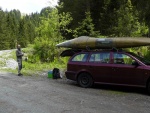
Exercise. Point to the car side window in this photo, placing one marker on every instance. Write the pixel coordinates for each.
(80, 58)
(99, 57)
(120, 58)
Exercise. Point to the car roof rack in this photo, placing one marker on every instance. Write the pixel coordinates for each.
(117, 50)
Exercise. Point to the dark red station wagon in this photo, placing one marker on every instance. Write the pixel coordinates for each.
(109, 67)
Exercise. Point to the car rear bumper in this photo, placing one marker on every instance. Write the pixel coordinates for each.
(70, 75)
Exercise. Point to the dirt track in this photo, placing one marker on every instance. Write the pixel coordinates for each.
(42, 95)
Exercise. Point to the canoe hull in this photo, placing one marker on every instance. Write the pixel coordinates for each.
(84, 42)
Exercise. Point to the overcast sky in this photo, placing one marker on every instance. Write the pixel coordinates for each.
(26, 6)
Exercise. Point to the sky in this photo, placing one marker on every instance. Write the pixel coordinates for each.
(26, 6)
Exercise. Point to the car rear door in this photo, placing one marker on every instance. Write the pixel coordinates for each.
(99, 66)
(77, 64)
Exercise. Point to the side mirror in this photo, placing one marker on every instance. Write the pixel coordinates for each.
(136, 64)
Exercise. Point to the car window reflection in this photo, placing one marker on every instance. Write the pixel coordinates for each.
(100, 57)
(80, 58)
(120, 58)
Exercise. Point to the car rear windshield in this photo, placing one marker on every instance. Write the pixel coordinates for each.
(80, 57)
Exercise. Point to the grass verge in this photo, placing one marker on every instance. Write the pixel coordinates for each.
(30, 69)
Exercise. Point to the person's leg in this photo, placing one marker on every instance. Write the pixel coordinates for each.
(19, 67)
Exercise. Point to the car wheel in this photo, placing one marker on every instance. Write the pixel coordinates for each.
(85, 80)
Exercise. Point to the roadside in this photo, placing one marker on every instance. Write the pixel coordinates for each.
(6, 60)
(38, 94)
(8, 63)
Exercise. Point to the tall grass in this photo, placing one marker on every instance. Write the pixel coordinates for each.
(34, 68)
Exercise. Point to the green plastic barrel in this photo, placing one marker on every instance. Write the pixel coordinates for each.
(50, 74)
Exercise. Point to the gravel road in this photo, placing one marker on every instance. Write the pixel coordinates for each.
(39, 94)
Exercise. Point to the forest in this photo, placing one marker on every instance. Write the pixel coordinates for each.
(70, 19)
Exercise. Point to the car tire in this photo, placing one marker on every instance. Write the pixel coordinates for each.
(85, 80)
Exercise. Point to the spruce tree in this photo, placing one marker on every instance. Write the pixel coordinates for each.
(86, 27)
(128, 22)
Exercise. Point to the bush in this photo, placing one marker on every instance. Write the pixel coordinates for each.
(49, 35)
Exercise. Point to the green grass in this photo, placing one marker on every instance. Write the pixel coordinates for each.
(2, 63)
(36, 68)
(30, 69)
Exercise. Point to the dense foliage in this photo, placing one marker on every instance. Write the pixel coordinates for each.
(49, 35)
(111, 17)
(97, 18)
(16, 28)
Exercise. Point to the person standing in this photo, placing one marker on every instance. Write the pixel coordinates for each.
(19, 55)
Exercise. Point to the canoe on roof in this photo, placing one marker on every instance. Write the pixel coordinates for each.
(84, 42)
